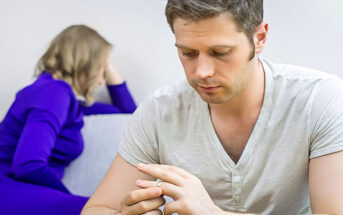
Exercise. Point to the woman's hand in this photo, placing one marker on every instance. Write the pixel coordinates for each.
(112, 76)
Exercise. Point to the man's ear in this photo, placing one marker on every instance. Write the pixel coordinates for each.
(260, 37)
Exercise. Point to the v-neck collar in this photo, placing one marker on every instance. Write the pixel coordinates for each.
(255, 134)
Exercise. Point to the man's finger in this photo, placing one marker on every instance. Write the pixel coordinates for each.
(141, 195)
(147, 184)
(170, 208)
(154, 212)
(176, 169)
(145, 206)
(168, 189)
(163, 173)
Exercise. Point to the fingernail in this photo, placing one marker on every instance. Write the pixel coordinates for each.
(138, 181)
(157, 192)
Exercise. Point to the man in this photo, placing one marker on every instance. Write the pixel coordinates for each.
(248, 136)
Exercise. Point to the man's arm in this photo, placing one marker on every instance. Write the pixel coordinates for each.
(326, 184)
(118, 192)
(118, 189)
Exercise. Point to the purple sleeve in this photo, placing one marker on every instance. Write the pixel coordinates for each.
(47, 107)
(30, 162)
(122, 102)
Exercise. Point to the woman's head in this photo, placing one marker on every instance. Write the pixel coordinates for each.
(77, 55)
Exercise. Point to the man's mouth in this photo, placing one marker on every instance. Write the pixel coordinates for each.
(208, 89)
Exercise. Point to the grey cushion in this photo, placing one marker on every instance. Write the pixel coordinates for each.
(102, 134)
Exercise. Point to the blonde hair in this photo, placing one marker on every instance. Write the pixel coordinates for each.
(74, 53)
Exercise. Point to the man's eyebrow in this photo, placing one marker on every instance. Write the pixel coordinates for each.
(182, 46)
(222, 46)
(212, 47)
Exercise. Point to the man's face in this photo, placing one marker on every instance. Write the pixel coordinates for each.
(215, 57)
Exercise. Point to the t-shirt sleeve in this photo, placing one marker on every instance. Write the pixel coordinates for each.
(140, 143)
(327, 119)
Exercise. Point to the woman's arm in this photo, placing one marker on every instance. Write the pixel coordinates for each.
(122, 100)
(30, 161)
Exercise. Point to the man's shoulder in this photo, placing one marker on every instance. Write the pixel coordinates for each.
(176, 92)
(293, 72)
(303, 79)
(175, 98)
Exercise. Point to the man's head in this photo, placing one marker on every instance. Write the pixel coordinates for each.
(246, 14)
(217, 41)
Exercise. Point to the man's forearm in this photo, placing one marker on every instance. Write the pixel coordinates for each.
(230, 213)
(98, 210)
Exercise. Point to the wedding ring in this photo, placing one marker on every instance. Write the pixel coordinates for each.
(159, 182)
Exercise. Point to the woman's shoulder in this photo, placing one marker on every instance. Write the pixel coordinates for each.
(47, 87)
(46, 82)
(46, 93)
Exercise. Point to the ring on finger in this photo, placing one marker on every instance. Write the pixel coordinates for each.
(159, 183)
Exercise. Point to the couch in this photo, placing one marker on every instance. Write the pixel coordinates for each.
(102, 134)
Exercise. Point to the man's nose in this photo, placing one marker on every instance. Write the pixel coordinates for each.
(205, 67)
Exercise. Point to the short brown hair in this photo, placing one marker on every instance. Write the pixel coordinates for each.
(247, 14)
(77, 50)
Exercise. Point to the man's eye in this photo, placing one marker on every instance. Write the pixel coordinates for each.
(189, 54)
(219, 54)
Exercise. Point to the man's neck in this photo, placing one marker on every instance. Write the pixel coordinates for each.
(248, 101)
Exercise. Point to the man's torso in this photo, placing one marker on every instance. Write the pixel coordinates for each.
(271, 175)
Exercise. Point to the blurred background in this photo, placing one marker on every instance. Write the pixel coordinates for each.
(306, 32)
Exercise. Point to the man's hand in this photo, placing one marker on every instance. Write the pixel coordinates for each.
(190, 196)
(144, 201)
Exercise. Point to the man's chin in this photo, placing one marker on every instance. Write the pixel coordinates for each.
(216, 98)
(212, 99)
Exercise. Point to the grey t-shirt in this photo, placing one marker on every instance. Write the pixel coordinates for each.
(301, 119)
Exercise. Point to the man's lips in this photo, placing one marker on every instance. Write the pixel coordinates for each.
(208, 89)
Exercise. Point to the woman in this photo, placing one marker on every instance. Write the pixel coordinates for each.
(40, 135)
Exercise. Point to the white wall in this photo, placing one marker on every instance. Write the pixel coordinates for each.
(306, 32)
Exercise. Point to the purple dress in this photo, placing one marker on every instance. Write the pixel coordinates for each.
(39, 136)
